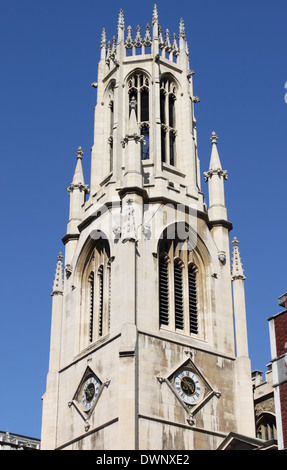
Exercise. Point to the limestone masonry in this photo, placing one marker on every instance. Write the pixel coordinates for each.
(144, 326)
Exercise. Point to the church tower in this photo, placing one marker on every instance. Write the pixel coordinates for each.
(148, 346)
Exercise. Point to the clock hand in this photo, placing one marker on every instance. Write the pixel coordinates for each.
(187, 384)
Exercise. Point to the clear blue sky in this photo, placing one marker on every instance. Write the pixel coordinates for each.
(49, 56)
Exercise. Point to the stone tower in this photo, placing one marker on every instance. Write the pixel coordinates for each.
(143, 335)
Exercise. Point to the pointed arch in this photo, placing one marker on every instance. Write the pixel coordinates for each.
(93, 271)
(183, 261)
(266, 426)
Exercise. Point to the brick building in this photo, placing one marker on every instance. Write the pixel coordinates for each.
(278, 340)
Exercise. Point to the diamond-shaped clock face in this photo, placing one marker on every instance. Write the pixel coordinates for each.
(88, 392)
(188, 386)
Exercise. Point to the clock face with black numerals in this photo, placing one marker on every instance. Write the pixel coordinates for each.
(188, 386)
(89, 392)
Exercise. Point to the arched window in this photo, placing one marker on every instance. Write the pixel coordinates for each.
(168, 120)
(96, 288)
(266, 426)
(177, 282)
(138, 89)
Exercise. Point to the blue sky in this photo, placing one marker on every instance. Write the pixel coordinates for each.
(49, 56)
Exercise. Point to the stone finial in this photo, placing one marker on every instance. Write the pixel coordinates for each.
(79, 153)
(133, 103)
(103, 44)
(103, 38)
(155, 24)
(129, 38)
(167, 41)
(160, 37)
(121, 27)
(182, 29)
(215, 164)
(147, 38)
(138, 38)
(182, 37)
(174, 43)
(154, 15)
(58, 285)
(78, 178)
(121, 22)
(237, 267)
(214, 138)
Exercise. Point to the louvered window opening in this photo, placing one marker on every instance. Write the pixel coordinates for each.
(101, 300)
(163, 293)
(109, 299)
(91, 306)
(193, 315)
(178, 297)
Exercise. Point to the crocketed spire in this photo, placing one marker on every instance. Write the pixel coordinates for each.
(58, 285)
(237, 267)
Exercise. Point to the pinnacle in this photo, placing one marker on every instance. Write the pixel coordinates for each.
(121, 22)
(78, 175)
(181, 28)
(109, 53)
(155, 15)
(237, 267)
(58, 281)
(78, 178)
(215, 163)
(121, 17)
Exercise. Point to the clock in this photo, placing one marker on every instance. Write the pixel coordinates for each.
(89, 393)
(188, 386)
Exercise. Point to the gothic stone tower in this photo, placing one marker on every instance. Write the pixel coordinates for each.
(143, 334)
